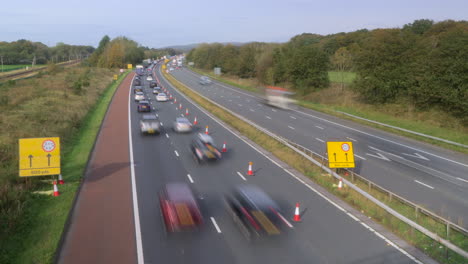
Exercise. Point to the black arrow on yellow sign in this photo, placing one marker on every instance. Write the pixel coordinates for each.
(334, 154)
(346, 154)
(30, 160)
(48, 159)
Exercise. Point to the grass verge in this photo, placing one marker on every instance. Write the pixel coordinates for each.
(38, 233)
(297, 161)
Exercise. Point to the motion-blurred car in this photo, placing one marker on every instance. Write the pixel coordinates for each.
(144, 106)
(204, 149)
(153, 84)
(162, 97)
(179, 208)
(182, 124)
(139, 96)
(149, 124)
(156, 90)
(255, 213)
(137, 89)
(149, 78)
(205, 80)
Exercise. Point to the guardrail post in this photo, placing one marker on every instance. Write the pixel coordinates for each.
(370, 185)
(416, 209)
(352, 176)
(390, 197)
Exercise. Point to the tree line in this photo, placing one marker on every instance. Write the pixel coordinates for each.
(25, 51)
(424, 63)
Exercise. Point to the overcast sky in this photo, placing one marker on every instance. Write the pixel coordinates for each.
(173, 22)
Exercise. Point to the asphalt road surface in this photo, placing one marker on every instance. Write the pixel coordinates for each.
(430, 176)
(327, 234)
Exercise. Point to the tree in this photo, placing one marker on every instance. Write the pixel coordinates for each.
(342, 62)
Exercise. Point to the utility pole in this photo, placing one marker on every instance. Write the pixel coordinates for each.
(33, 62)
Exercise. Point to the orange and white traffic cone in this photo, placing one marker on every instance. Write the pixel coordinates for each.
(170, 96)
(297, 216)
(56, 191)
(175, 100)
(195, 122)
(250, 171)
(224, 147)
(340, 184)
(180, 106)
(186, 112)
(206, 130)
(61, 181)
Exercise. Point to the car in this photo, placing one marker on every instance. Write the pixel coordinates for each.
(149, 78)
(171, 69)
(149, 124)
(156, 90)
(162, 97)
(204, 149)
(179, 208)
(137, 82)
(255, 213)
(205, 80)
(139, 96)
(153, 84)
(144, 106)
(182, 124)
(137, 89)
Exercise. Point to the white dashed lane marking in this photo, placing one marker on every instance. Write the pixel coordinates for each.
(242, 176)
(422, 183)
(319, 127)
(215, 224)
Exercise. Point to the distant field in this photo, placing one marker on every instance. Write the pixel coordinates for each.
(16, 67)
(335, 77)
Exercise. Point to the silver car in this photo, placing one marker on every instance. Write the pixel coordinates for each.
(139, 96)
(182, 124)
(149, 78)
(161, 97)
(205, 80)
(149, 124)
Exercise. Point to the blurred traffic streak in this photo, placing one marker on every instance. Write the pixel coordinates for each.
(182, 124)
(255, 213)
(179, 208)
(149, 124)
(204, 149)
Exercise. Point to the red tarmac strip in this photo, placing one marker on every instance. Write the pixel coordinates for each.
(102, 228)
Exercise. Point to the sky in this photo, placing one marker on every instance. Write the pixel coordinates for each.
(157, 24)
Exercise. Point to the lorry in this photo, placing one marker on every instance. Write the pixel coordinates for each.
(278, 97)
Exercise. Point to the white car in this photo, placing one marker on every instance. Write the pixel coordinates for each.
(182, 124)
(139, 96)
(161, 97)
(149, 78)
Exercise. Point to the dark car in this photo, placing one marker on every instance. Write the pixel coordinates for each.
(137, 82)
(255, 213)
(179, 208)
(144, 106)
(149, 124)
(204, 149)
(153, 84)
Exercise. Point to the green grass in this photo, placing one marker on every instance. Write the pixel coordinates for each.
(355, 199)
(348, 77)
(230, 82)
(38, 233)
(17, 67)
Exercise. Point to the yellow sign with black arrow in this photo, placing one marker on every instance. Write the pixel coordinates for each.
(39, 156)
(340, 154)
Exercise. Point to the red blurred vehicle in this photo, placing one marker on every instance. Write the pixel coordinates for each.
(179, 208)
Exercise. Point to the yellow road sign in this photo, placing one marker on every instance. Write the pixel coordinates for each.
(116, 76)
(129, 66)
(340, 154)
(39, 156)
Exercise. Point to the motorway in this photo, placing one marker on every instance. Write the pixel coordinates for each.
(328, 233)
(430, 176)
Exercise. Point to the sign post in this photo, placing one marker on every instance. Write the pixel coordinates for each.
(39, 156)
(340, 154)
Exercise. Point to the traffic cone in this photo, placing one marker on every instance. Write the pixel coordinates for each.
(175, 100)
(180, 106)
(224, 147)
(206, 130)
(61, 181)
(56, 191)
(186, 112)
(346, 173)
(250, 171)
(340, 184)
(170, 96)
(195, 122)
(297, 216)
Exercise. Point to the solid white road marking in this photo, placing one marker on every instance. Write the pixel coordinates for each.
(268, 117)
(320, 140)
(136, 211)
(422, 183)
(462, 179)
(416, 155)
(167, 135)
(190, 178)
(319, 127)
(292, 117)
(352, 139)
(360, 157)
(240, 175)
(176, 153)
(291, 127)
(215, 224)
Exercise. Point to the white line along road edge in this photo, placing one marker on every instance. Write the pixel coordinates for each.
(136, 212)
